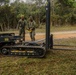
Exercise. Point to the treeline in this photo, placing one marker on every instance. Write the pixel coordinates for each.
(63, 12)
(10, 13)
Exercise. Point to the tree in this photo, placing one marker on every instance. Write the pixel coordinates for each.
(4, 2)
(65, 9)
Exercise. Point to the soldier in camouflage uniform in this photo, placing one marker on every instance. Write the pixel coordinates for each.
(31, 28)
(22, 24)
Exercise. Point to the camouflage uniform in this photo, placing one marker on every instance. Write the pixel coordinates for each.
(31, 29)
(22, 23)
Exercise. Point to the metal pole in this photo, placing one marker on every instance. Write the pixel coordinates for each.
(47, 24)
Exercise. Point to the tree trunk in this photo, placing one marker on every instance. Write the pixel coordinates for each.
(7, 18)
(1, 27)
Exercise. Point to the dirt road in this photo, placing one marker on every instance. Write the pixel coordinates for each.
(56, 35)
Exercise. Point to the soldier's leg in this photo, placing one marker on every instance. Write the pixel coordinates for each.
(33, 35)
(20, 32)
(23, 35)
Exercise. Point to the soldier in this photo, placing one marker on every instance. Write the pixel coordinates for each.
(22, 24)
(31, 28)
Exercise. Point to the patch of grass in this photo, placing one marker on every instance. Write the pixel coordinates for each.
(42, 29)
(63, 28)
(57, 28)
(56, 62)
(69, 42)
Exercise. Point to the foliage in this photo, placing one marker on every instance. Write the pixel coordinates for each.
(62, 12)
(66, 12)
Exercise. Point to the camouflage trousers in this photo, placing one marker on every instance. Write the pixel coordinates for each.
(32, 35)
(22, 33)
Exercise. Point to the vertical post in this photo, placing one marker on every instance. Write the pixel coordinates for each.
(47, 24)
(24, 36)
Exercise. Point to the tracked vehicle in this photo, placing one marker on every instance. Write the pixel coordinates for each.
(10, 44)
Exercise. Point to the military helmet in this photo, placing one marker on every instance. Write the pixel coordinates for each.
(22, 16)
(31, 18)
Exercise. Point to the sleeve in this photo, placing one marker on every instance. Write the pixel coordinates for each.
(34, 24)
(25, 22)
(19, 23)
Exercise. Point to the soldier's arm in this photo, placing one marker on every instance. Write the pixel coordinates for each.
(34, 24)
(19, 23)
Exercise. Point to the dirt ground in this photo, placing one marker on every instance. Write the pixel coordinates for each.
(62, 36)
(55, 36)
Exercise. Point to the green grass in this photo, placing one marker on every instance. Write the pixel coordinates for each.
(63, 28)
(56, 62)
(57, 28)
(69, 41)
(52, 28)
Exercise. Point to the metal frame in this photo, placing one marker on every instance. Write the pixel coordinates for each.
(49, 36)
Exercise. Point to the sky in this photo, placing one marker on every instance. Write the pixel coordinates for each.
(14, 0)
(28, 1)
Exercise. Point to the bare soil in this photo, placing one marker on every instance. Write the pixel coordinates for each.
(55, 36)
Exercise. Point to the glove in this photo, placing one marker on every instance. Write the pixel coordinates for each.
(30, 30)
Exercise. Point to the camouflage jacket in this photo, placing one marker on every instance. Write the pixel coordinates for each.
(32, 25)
(22, 23)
